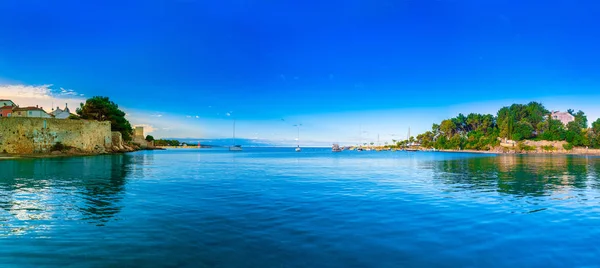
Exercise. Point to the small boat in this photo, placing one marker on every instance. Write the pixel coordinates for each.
(336, 148)
(298, 149)
(235, 148)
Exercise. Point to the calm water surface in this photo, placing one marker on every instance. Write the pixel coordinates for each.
(278, 208)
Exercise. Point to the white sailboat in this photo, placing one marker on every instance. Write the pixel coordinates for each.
(298, 148)
(234, 147)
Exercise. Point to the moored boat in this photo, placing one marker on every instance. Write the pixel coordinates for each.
(336, 148)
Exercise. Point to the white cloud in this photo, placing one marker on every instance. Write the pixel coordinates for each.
(42, 95)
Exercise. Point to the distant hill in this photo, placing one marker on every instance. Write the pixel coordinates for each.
(225, 142)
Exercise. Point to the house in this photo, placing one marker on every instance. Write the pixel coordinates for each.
(30, 112)
(6, 111)
(7, 103)
(563, 117)
(60, 113)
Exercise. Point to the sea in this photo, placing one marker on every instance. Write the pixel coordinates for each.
(274, 207)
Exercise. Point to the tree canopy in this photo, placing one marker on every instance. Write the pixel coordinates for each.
(103, 109)
(515, 122)
(162, 142)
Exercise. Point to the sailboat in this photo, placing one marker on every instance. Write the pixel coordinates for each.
(298, 148)
(234, 147)
(408, 144)
(359, 147)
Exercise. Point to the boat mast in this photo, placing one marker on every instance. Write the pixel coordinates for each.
(298, 135)
(298, 139)
(408, 137)
(234, 132)
(359, 135)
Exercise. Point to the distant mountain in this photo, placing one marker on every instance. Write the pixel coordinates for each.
(226, 142)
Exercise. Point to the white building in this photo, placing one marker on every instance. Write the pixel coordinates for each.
(563, 117)
(60, 113)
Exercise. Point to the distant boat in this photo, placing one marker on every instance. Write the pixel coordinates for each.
(298, 149)
(336, 148)
(234, 147)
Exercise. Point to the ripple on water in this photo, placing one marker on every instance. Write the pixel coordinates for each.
(270, 207)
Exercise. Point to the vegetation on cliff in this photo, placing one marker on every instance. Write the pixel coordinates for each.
(162, 142)
(516, 122)
(103, 109)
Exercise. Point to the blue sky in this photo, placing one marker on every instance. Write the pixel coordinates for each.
(179, 66)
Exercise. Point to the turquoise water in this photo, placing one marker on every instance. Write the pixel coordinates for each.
(278, 208)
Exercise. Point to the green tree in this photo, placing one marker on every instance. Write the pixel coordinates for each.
(596, 126)
(556, 131)
(102, 109)
(523, 130)
(448, 128)
(581, 119)
(149, 138)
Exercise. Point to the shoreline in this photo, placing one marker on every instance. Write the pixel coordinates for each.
(593, 153)
(69, 154)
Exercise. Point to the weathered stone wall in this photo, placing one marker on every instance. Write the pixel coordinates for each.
(38, 135)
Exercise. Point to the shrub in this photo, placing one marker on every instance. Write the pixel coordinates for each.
(548, 148)
(568, 146)
(525, 147)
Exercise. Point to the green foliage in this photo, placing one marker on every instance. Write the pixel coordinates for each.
(149, 138)
(581, 119)
(448, 128)
(516, 122)
(568, 146)
(596, 126)
(555, 131)
(522, 130)
(102, 109)
(162, 142)
(548, 148)
(573, 134)
(524, 147)
(73, 116)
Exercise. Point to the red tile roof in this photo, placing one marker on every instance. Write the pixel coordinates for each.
(28, 109)
(6, 107)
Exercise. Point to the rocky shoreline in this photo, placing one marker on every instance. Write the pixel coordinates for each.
(74, 152)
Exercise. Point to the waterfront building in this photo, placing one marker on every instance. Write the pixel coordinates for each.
(30, 112)
(563, 117)
(60, 113)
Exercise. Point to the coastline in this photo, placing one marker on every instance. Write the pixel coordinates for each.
(70, 153)
(575, 151)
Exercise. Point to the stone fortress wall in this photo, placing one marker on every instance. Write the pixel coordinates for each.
(38, 135)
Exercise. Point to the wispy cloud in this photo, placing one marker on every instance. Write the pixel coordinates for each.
(41, 95)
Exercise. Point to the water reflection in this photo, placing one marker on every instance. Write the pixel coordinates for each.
(519, 175)
(35, 193)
